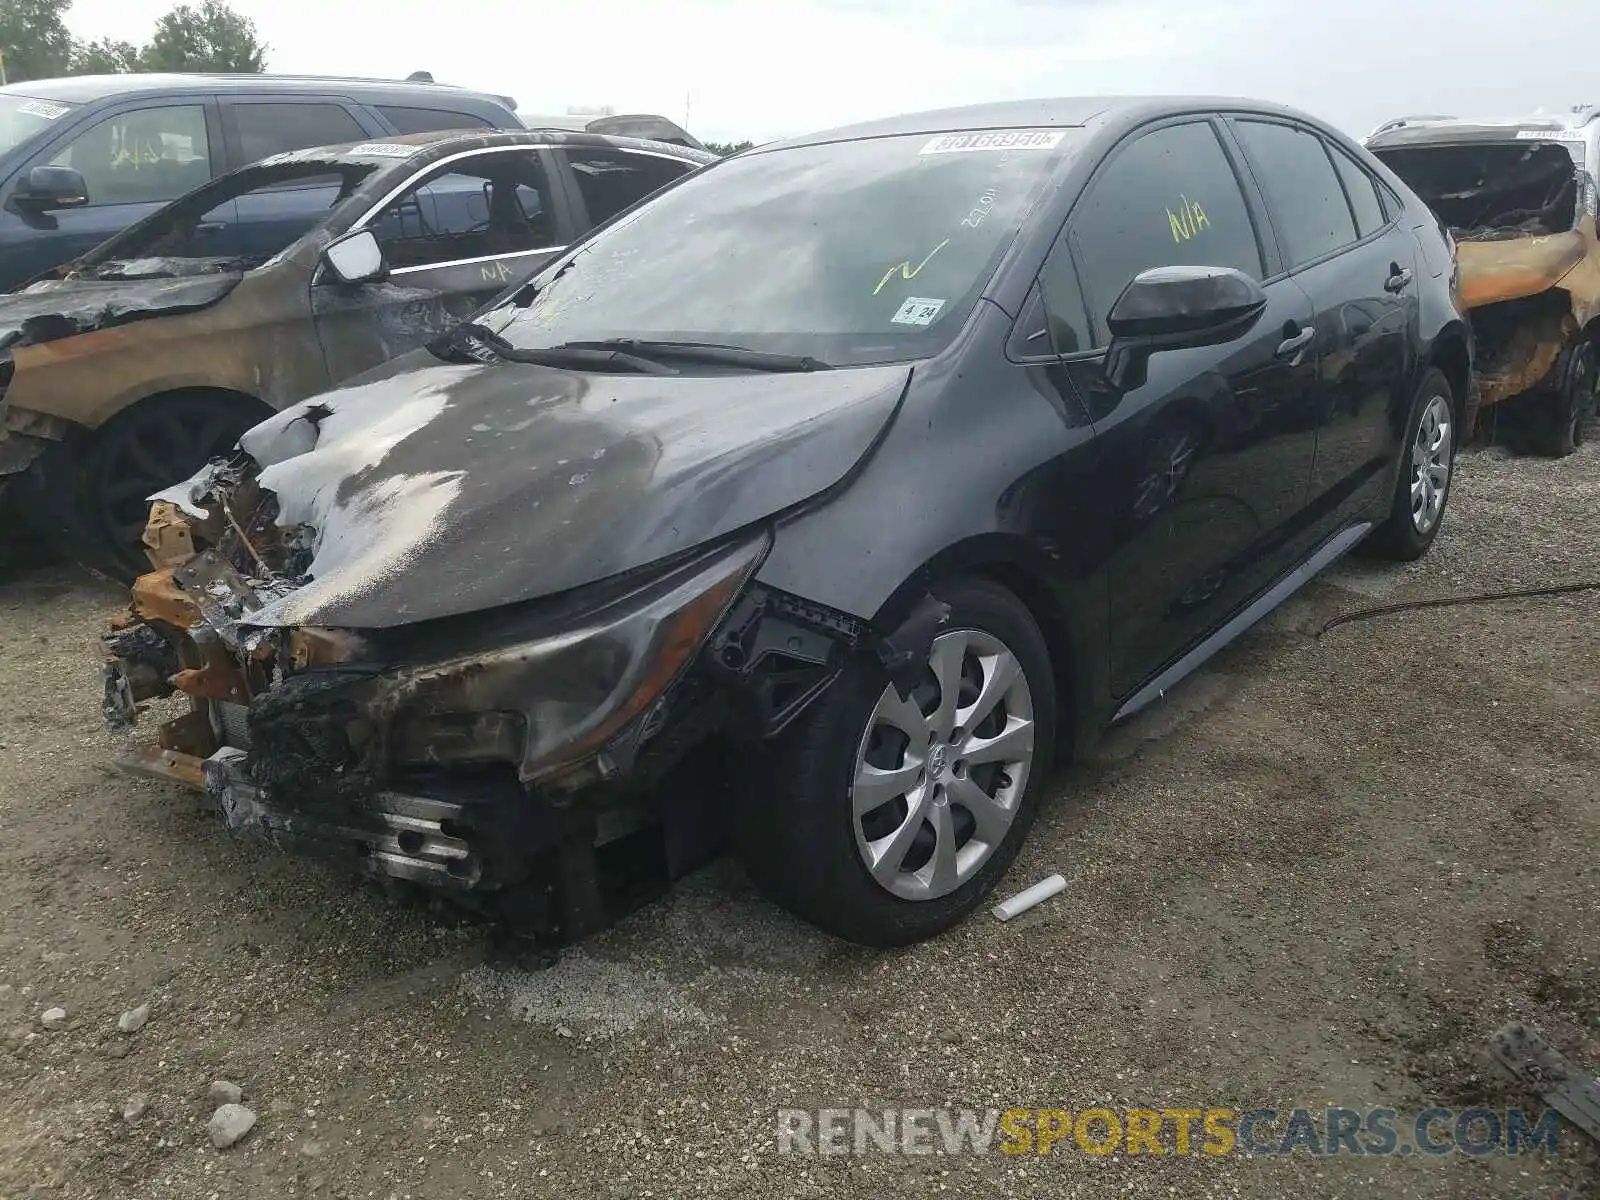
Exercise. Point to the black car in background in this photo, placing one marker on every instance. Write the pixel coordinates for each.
(903, 457)
(83, 158)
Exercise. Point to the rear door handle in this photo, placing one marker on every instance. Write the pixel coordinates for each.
(1399, 279)
(1291, 347)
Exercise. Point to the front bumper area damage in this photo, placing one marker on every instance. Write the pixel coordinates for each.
(537, 764)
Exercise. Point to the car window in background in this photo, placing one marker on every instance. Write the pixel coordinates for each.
(612, 180)
(429, 120)
(872, 250)
(265, 129)
(147, 155)
(1362, 190)
(481, 207)
(1308, 205)
(1170, 198)
(21, 117)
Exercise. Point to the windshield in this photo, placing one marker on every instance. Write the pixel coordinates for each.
(850, 252)
(1486, 190)
(22, 116)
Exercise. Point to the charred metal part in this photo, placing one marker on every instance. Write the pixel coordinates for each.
(784, 651)
(413, 838)
(118, 704)
(1565, 1087)
(1519, 343)
(142, 662)
(904, 653)
(168, 536)
(166, 766)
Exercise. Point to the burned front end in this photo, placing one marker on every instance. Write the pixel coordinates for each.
(516, 760)
(1521, 207)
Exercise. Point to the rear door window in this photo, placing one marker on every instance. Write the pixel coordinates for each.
(612, 180)
(265, 129)
(428, 120)
(1361, 190)
(1307, 201)
(1168, 198)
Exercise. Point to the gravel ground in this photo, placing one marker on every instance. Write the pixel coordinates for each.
(1322, 873)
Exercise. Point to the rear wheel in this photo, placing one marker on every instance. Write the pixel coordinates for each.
(1422, 486)
(1564, 414)
(886, 819)
(143, 450)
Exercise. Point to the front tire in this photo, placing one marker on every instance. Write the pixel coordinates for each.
(155, 444)
(1426, 470)
(886, 820)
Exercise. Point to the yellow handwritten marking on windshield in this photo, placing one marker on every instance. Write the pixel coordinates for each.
(907, 271)
(1188, 221)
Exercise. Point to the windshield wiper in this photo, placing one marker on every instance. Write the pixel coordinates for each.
(704, 352)
(478, 343)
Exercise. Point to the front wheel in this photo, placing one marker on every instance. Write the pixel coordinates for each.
(1563, 415)
(1427, 466)
(143, 450)
(886, 819)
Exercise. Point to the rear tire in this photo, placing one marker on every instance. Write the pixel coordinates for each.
(1423, 477)
(940, 810)
(142, 450)
(1563, 415)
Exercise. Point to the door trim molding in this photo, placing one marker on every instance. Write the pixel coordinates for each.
(1334, 548)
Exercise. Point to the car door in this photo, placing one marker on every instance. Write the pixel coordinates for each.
(256, 127)
(134, 159)
(1347, 251)
(453, 237)
(1205, 463)
(606, 180)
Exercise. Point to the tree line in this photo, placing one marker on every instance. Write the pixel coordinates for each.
(36, 44)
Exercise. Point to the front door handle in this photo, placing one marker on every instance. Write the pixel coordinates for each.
(1399, 278)
(1290, 347)
(211, 227)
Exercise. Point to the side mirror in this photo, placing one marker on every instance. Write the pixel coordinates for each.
(1175, 308)
(47, 189)
(356, 258)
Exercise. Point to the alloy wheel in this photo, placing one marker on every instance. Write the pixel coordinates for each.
(1430, 463)
(940, 773)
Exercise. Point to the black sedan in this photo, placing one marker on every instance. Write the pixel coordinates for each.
(896, 461)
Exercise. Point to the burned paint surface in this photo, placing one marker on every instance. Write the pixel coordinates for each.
(448, 489)
(142, 317)
(1522, 208)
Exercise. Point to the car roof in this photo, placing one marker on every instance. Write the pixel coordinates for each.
(85, 89)
(1402, 131)
(427, 147)
(1070, 111)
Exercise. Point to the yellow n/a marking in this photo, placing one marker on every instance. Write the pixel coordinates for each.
(1189, 220)
(906, 270)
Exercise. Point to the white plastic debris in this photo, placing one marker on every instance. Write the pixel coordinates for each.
(1023, 901)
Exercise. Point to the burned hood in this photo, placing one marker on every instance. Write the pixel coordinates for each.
(49, 311)
(457, 488)
(1511, 268)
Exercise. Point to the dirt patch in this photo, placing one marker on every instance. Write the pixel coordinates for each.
(1323, 873)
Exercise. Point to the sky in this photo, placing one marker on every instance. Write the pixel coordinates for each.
(739, 70)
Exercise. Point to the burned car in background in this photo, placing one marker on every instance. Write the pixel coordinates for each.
(1519, 199)
(136, 364)
(877, 464)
